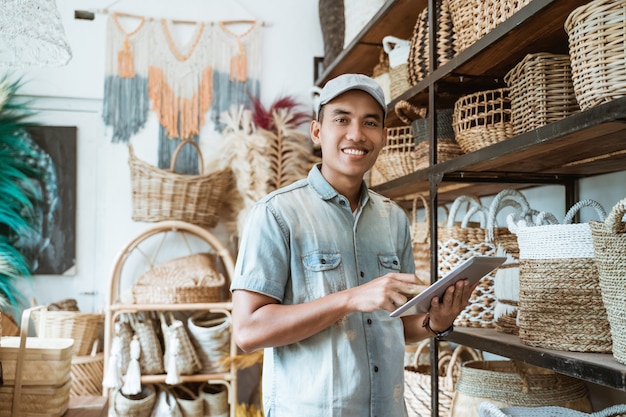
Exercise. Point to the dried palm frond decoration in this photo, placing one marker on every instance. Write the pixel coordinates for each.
(265, 149)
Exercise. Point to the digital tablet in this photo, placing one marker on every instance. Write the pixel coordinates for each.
(473, 269)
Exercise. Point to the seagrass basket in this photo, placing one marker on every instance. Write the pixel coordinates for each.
(559, 285)
(609, 243)
(399, 157)
(541, 91)
(159, 195)
(419, 55)
(482, 119)
(597, 49)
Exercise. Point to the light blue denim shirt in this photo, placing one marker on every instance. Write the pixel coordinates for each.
(301, 243)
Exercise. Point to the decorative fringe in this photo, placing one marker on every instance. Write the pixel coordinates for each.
(239, 65)
(187, 159)
(125, 66)
(132, 379)
(112, 377)
(125, 106)
(227, 93)
(173, 375)
(181, 117)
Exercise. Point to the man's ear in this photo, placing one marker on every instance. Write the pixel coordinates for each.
(315, 131)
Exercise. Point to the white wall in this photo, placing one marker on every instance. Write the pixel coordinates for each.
(72, 96)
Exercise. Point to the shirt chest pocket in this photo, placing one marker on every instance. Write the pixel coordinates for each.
(323, 274)
(388, 263)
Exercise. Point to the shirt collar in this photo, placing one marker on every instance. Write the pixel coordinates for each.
(325, 190)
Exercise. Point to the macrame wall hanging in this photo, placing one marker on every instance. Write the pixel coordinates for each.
(126, 104)
(237, 71)
(180, 87)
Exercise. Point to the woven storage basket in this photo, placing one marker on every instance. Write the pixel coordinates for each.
(190, 403)
(482, 119)
(493, 12)
(84, 328)
(380, 74)
(37, 401)
(332, 22)
(559, 285)
(189, 279)
(512, 383)
(139, 405)
(398, 51)
(215, 399)
(597, 49)
(447, 146)
(489, 409)
(184, 354)
(419, 55)
(160, 195)
(398, 158)
(609, 243)
(459, 241)
(87, 374)
(541, 91)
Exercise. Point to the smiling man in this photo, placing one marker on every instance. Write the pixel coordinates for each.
(322, 263)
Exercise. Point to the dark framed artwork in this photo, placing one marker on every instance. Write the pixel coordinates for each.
(53, 251)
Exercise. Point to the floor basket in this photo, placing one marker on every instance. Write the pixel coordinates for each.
(87, 374)
(597, 48)
(609, 241)
(559, 286)
(482, 119)
(159, 195)
(84, 328)
(541, 91)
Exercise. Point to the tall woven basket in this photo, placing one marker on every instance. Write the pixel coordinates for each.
(559, 285)
(609, 242)
(597, 49)
(160, 195)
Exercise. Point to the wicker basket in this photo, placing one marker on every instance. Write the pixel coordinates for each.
(609, 242)
(597, 48)
(189, 279)
(84, 328)
(87, 374)
(482, 119)
(513, 383)
(160, 195)
(399, 157)
(489, 409)
(559, 285)
(541, 91)
(398, 51)
(493, 12)
(420, 239)
(419, 55)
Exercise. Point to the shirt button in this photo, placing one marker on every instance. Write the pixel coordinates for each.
(395, 262)
(362, 274)
(323, 261)
(369, 321)
(376, 369)
(343, 203)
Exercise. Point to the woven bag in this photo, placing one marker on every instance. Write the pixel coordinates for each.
(215, 398)
(188, 279)
(417, 377)
(559, 285)
(178, 346)
(459, 241)
(166, 404)
(597, 49)
(419, 54)
(482, 119)
(139, 405)
(420, 240)
(210, 335)
(398, 51)
(189, 402)
(506, 278)
(489, 409)
(541, 91)
(609, 244)
(160, 195)
(151, 357)
(513, 383)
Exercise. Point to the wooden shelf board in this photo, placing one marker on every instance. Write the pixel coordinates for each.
(599, 368)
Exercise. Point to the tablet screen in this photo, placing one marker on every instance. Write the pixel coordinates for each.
(473, 269)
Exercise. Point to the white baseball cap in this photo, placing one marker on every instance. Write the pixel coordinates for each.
(347, 82)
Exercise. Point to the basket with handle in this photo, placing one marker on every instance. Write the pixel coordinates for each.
(210, 334)
(159, 194)
(398, 51)
(559, 284)
(597, 49)
(609, 246)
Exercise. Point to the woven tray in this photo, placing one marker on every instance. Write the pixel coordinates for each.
(541, 91)
(597, 48)
(160, 195)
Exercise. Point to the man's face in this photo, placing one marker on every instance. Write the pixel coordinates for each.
(351, 134)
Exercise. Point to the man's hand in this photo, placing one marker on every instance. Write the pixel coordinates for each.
(387, 292)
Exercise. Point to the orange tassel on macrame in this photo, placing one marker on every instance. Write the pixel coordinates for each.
(238, 65)
(125, 67)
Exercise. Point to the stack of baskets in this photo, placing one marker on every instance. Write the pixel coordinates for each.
(87, 365)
